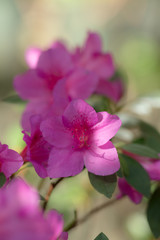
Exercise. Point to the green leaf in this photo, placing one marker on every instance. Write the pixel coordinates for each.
(13, 99)
(103, 184)
(153, 213)
(149, 130)
(135, 175)
(101, 236)
(2, 179)
(120, 173)
(141, 150)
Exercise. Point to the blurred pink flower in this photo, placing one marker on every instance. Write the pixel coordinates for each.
(81, 137)
(37, 150)
(21, 217)
(92, 58)
(10, 160)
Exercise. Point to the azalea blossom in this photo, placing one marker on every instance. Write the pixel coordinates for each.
(80, 137)
(10, 160)
(37, 149)
(47, 68)
(21, 217)
(92, 58)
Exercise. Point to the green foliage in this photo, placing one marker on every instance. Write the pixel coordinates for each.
(103, 184)
(135, 174)
(2, 179)
(153, 213)
(141, 150)
(101, 236)
(13, 99)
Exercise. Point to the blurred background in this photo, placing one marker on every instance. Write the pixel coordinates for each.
(131, 31)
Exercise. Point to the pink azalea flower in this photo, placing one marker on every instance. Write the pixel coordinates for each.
(37, 84)
(37, 150)
(91, 57)
(80, 137)
(21, 217)
(10, 160)
(126, 189)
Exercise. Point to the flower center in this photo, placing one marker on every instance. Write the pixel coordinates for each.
(81, 137)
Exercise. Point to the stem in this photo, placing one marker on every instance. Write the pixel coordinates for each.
(51, 187)
(77, 222)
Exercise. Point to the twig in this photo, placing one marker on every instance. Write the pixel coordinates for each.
(77, 222)
(51, 187)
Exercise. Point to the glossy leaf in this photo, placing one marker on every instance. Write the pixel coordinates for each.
(153, 213)
(104, 184)
(141, 150)
(101, 236)
(135, 175)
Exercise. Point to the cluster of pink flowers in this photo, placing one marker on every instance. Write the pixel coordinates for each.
(57, 76)
(63, 133)
(22, 218)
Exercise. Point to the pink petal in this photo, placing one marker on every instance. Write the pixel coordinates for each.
(81, 84)
(55, 133)
(60, 97)
(10, 161)
(102, 160)
(93, 43)
(32, 56)
(63, 236)
(153, 169)
(30, 86)
(126, 189)
(105, 129)
(102, 65)
(42, 108)
(79, 112)
(55, 62)
(65, 163)
(55, 220)
(111, 89)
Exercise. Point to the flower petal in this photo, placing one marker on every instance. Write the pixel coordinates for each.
(126, 189)
(79, 112)
(102, 160)
(55, 133)
(55, 62)
(102, 65)
(93, 43)
(106, 128)
(65, 163)
(30, 86)
(81, 84)
(111, 89)
(32, 56)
